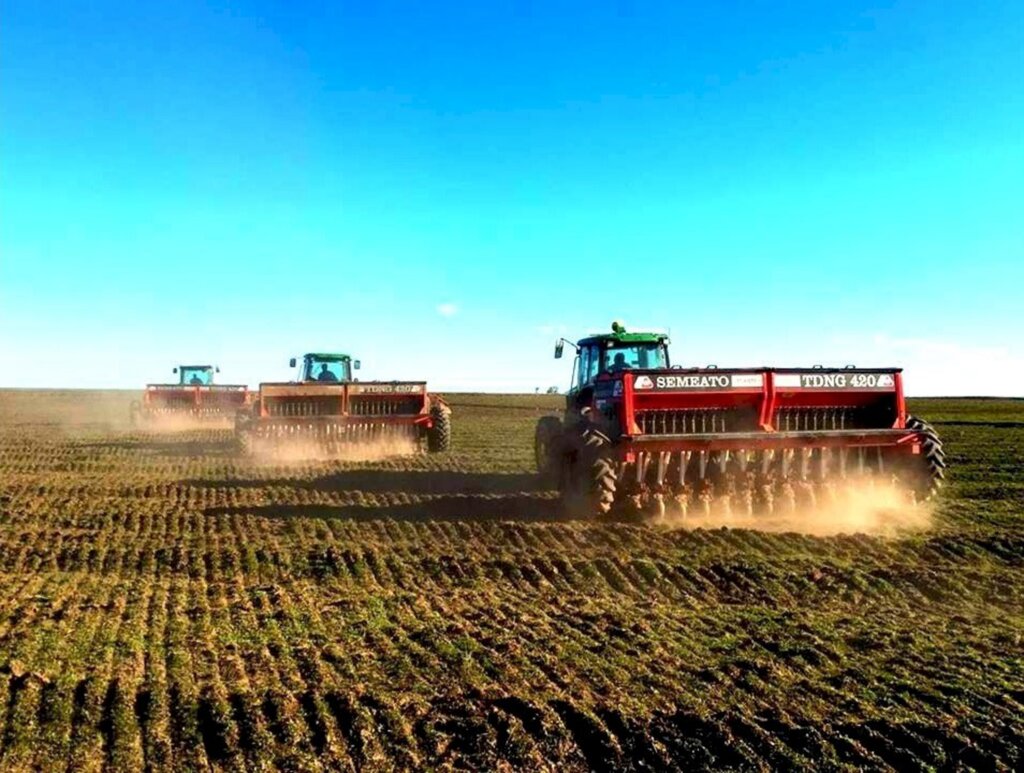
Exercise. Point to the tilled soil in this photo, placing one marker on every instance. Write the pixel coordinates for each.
(169, 605)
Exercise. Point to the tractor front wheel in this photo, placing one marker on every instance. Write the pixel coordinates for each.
(589, 478)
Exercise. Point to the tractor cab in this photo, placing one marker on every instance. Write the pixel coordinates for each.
(195, 375)
(323, 367)
(611, 353)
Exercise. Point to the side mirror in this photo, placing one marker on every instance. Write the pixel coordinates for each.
(356, 364)
(291, 363)
(217, 369)
(559, 348)
(174, 371)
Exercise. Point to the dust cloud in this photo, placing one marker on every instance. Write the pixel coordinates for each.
(861, 506)
(47, 413)
(171, 423)
(295, 452)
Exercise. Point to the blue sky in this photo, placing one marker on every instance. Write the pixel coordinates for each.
(441, 188)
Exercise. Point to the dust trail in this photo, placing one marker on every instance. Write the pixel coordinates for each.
(185, 423)
(294, 452)
(52, 413)
(860, 506)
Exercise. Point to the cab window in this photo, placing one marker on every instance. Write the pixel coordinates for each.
(327, 370)
(590, 364)
(196, 376)
(584, 365)
(638, 356)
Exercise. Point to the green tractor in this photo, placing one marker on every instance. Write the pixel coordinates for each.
(556, 437)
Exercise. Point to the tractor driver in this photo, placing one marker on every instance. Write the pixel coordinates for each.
(619, 364)
(325, 373)
(195, 380)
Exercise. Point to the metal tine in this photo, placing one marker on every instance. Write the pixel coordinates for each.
(684, 461)
(741, 457)
(805, 459)
(702, 464)
(663, 457)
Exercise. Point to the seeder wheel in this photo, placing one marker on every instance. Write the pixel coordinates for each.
(930, 472)
(439, 436)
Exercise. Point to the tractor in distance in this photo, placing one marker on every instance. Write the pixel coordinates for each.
(641, 436)
(194, 399)
(328, 411)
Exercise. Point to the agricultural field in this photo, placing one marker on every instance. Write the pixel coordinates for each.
(168, 605)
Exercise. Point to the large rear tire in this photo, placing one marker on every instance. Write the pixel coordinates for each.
(589, 478)
(547, 448)
(439, 436)
(245, 441)
(930, 472)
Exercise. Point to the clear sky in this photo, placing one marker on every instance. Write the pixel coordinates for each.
(440, 189)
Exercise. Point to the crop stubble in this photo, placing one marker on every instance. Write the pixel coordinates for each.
(169, 605)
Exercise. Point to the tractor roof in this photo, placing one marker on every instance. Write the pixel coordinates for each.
(620, 336)
(327, 356)
(197, 367)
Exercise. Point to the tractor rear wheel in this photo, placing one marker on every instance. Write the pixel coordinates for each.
(589, 479)
(245, 442)
(439, 436)
(930, 474)
(244, 432)
(547, 448)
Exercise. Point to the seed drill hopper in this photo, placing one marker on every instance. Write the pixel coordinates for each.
(641, 435)
(195, 398)
(327, 411)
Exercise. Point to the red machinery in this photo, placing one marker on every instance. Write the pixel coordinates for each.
(330, 411)
(195, 398)
(648, 436)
